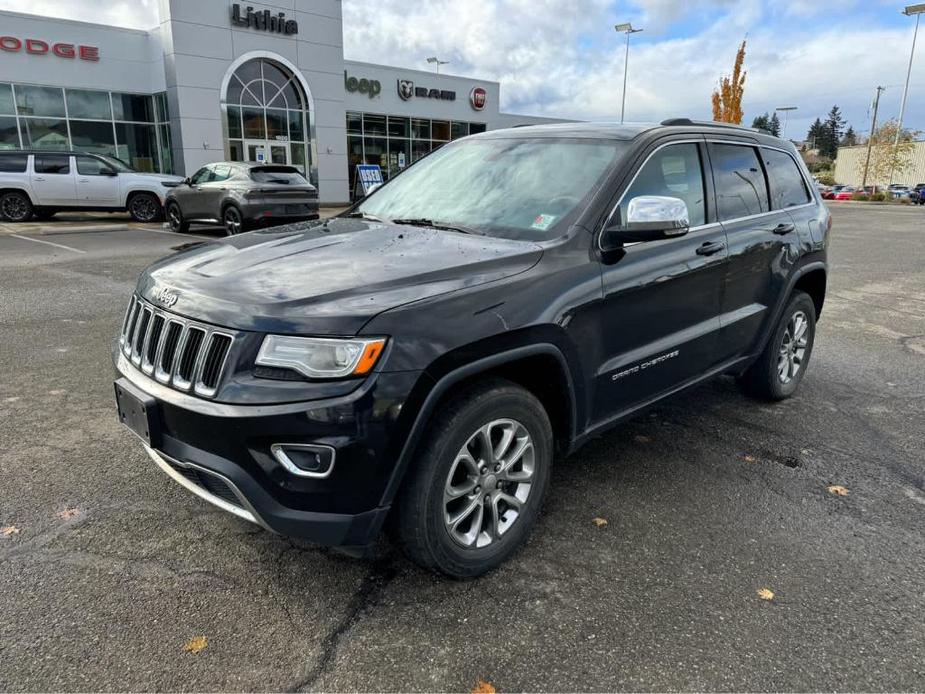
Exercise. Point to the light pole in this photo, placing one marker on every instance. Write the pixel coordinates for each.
(436, 62)
(916, 10)
(625, 29)
(786, 110)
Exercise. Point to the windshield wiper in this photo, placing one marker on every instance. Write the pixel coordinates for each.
(445, 226)
(362, 215)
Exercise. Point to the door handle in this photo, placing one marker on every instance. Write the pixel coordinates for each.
(38, 178)
(711, 248)
(784, 228)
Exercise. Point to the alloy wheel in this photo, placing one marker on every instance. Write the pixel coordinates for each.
(144, 208)
(488, 484)
(15, 208)
(174, 217)
(793, 347)
(232, 219)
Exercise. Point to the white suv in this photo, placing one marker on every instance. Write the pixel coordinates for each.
(43, 183)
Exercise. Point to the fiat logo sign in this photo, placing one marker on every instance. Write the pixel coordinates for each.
(478, 97)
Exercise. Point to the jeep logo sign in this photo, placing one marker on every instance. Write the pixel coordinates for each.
(478, 97)
(373, 88)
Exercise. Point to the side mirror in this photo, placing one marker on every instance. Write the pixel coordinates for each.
(648, 218)
(187, 181)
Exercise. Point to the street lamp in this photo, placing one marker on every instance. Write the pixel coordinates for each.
(627, 29)
(916, 10)
(436, 62)
(786, 110)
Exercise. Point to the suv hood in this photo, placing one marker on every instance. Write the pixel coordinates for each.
(327, 279)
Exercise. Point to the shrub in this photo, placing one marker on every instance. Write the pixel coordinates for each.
(826, 178)
(861, 197)
(904, 201)
(879, 197)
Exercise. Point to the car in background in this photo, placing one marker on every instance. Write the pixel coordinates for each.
(240, 196)
(40, 184)
(898, 191)
(918, 194)
(846, 193)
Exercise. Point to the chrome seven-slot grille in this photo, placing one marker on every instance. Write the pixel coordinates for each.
(177, 352)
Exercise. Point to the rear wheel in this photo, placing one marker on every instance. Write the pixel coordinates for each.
(175, 218)
(144, 207)
(478, 482)
(15, 206)
(232, 220)
(780, 368)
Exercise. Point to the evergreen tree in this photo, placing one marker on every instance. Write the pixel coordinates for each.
(815, 133)
(774, 125)
(827, 144)
(850, 138)
(762, 122)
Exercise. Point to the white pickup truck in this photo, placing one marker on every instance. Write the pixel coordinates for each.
(43, 183)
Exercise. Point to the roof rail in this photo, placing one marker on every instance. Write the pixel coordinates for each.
(712, 124)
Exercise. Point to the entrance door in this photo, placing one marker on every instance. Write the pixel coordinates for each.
(265, 152)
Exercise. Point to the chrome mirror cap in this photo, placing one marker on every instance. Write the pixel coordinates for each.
(658, 213)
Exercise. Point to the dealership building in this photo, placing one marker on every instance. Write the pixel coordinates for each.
(219, 80)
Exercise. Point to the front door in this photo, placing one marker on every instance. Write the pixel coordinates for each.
(662, 298)
(266, 152)
(95, 188)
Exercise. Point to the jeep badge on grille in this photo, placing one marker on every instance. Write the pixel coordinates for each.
(164, 297)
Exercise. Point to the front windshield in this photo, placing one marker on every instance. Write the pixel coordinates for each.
(527, 188)
(117, 164)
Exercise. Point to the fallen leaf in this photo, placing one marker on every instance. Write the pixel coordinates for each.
(837, 490)
(600, 522)
(766, 594)
(9, 530)
(196, 644)
(750, 459)
(483, 687)
(643, 439)
(68, 513)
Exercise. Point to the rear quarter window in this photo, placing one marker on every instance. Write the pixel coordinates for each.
(283, 176)
(13, 163)
(788, 188)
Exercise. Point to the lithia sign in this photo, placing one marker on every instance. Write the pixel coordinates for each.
(263, 20)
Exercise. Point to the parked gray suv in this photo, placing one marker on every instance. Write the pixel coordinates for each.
(241, 195)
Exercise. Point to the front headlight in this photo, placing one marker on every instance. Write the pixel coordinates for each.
(320, 357)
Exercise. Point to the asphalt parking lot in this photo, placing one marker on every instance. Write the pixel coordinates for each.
(108, 569)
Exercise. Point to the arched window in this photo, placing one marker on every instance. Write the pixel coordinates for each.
(268, 116)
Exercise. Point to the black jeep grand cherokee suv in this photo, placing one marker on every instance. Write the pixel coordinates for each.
(417, 362)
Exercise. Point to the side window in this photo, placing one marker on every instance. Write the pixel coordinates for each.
(52, 164)
(89, 166)
(13, 163)
(200, 176)
(674, 171)
(788, 189)
(220, 172)
(741, 190)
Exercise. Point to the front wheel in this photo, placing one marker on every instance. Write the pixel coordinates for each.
(232, 220)
(15, 206)
(144, 208)
(175, 218)
(780, 368)
(477, 485)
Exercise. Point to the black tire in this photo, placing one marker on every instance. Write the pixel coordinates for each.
(175, 218)
(15, 206)
(144, 208)
(764, 379)
(44, 214)
(233, 220)
(418, 523)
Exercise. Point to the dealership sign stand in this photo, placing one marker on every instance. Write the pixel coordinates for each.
(367, 178)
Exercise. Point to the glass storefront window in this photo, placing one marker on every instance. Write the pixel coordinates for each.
(253, 124)
(39, 101)
(373, 125)
(9, 135)
(420, 148)
(277, 122)
(93, 136)
(420, 128)
(375, 152)
(160, 103)
(236, 149)
(296, 126)
(354, 122)
(166, 148)
(7, 107)
(441, 130)
(399, 155)
(399, 127)
(234, 123)
(475, 128)
(137, 146)
(45, 133)
(459, 130)
(298, 155)
(87, 104)
(134, 107)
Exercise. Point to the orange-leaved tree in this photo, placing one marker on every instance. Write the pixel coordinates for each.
(727, 100)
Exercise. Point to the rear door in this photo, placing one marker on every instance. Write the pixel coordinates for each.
(53, 181)
(662, 298)
(763, 238)
(94, 189)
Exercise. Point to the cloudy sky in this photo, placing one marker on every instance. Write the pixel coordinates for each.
(562, 57)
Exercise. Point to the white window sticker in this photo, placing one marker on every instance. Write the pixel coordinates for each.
(543, 221)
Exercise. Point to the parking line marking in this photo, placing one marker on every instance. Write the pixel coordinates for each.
(181, 236)
(47, 243)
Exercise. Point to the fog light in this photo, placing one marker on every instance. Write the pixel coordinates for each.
(305, 460)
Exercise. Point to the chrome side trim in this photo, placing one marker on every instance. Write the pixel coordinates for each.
(277, 449)
(245, 511)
